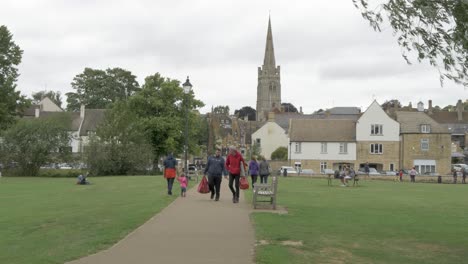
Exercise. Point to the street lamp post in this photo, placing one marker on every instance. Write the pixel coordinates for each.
(187, 89)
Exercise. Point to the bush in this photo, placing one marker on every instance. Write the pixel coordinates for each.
(280, 153)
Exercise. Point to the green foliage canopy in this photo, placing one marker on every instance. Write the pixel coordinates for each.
(98, 89)
(436, 30)
(11, 101)
(34, 142)
(280, 153)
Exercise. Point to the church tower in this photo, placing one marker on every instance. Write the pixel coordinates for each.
(269, 86)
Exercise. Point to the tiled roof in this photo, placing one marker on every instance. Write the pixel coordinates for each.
(410, 122)
(92, 119)
(319, 130)
(445, 117)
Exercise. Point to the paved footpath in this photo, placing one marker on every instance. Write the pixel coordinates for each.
(190, 230)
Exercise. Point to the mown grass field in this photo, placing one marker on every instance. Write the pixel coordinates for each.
(46, 220)
(377, 222)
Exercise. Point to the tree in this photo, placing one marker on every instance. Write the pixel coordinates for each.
(120, 146)
(56, 97)
(160, 106)
(11, 101)
(391, 104)
(256, 150)
(100, 89)
(280, 153)
(34, 142)
(289, 108)
(220, 109)
(436, 30)
(246, 111)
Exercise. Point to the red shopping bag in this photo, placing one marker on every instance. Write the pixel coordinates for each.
(244, 183)
(203, 186)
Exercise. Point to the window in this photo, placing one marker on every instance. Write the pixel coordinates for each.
(424, 144)
(298, 147)
(392, 166)
(376, 149)
(425, 168)
(425, 128)
(258, 141)
(324, 148)
(376, 130)
(343, 148)
(323, 166)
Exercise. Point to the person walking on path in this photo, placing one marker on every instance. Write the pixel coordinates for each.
(463, 175)
(170, 172)
(412, 175)
(234, 161)
(215, 170)
(454, 174)
(183, 185)
(253, 170)
(366, 169)
(264, 170)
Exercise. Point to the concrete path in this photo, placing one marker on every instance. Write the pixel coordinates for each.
(194, 230)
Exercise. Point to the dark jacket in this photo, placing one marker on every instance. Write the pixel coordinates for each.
(264, 168)
(253, 167)
(170, 162)
(215, 166)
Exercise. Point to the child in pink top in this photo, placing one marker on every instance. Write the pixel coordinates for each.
(183, 185)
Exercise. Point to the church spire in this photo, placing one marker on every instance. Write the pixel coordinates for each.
(269, 60)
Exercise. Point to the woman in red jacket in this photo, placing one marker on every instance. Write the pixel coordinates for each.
(234, 160)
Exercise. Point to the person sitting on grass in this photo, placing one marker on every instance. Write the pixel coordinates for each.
(343, 175)
(82, 179)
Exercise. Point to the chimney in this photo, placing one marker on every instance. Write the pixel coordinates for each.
(271, 117)
(429, 109)
(459, 110)
(82, 111)
(300, 111)
(37, 112)
(420, 107)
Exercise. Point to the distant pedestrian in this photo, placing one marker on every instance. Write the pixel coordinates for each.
(170, 172)
(401, 175)
(344, 172)
(413, 175)
(265, 171)
(463, 175)
(366, 169)
(183, 185)
(234, 161)
(215, 170)
(253, 170)
(454, 174)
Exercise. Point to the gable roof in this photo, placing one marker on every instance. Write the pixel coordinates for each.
(446, 117)
(323, 130)
(92, 119)
(410, 122)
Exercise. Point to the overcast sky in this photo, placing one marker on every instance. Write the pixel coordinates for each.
(328, 54)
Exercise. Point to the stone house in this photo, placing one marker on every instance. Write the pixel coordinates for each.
(378, 139)
(424, 143)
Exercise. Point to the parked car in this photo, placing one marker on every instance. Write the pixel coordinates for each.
(372, 171)
(459, 167)
(64, 166)
(307, 172)
(290, 170)
(389, 173)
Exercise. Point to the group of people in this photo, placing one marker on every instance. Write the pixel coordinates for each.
(455, 175)
(346, 173)
(216, 168)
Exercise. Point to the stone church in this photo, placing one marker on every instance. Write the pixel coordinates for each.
(269, 85)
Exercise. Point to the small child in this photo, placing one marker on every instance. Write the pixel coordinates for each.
(183, 184)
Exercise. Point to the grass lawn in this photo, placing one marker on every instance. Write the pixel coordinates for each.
(45, 220)
(377, 222)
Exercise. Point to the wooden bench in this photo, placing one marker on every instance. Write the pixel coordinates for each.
(331, 175)
(265, 193)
